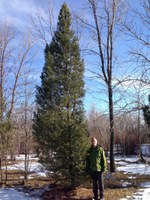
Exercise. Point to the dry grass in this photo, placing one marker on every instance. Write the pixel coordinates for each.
(86, 194)
(114, 186)
(113, 194)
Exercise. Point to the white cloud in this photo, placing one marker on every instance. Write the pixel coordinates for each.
(18, 13)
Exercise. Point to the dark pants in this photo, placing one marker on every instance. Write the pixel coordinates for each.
(97, 178)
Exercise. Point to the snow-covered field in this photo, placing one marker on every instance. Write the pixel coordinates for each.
(34, 166)
(126, 164)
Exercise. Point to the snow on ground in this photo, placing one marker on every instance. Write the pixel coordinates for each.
(12, 194)
(142, 194)
(132, 166)
(128, 165)
(22, 157)
(34, 167)
(135, 169)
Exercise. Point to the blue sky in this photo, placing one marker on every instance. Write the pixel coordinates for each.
(18, 13)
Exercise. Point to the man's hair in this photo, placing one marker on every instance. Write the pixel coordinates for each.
(93, 138)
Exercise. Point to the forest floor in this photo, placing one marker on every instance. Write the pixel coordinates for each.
(131, 181)
(117, 187)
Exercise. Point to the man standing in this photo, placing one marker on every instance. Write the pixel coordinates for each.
(96, 164)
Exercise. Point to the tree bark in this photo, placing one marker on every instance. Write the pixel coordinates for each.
(111, 120)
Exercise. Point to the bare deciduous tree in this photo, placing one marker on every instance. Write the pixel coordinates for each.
(43, 23)
(138, 29)
(15, 60)
(103, 30)
(98, 126)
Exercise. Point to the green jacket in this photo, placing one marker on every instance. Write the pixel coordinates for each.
(96, 160)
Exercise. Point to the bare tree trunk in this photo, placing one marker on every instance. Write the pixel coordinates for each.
(6, 172)
(1, 169)
(26, 164)
(111, 119)
(139, 136)
(105, 52)
(27, 124)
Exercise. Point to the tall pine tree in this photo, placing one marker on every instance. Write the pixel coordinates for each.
(59, 124)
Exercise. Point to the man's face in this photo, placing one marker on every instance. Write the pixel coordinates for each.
(94, 142)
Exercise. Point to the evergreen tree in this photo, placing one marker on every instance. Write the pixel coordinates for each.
(59, 124)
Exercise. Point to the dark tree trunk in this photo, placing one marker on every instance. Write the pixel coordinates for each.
(111, 120)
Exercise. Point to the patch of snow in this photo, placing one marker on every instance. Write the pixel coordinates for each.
(12, 194)
(122, 163)
(22, 157)
(144, 192)
(34, 167)
(131, 177)
(127, 159)
(125, 184)
(146, 185)
(38, 174)
(135, 169)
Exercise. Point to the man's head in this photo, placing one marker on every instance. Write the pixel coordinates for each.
(94, 141)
